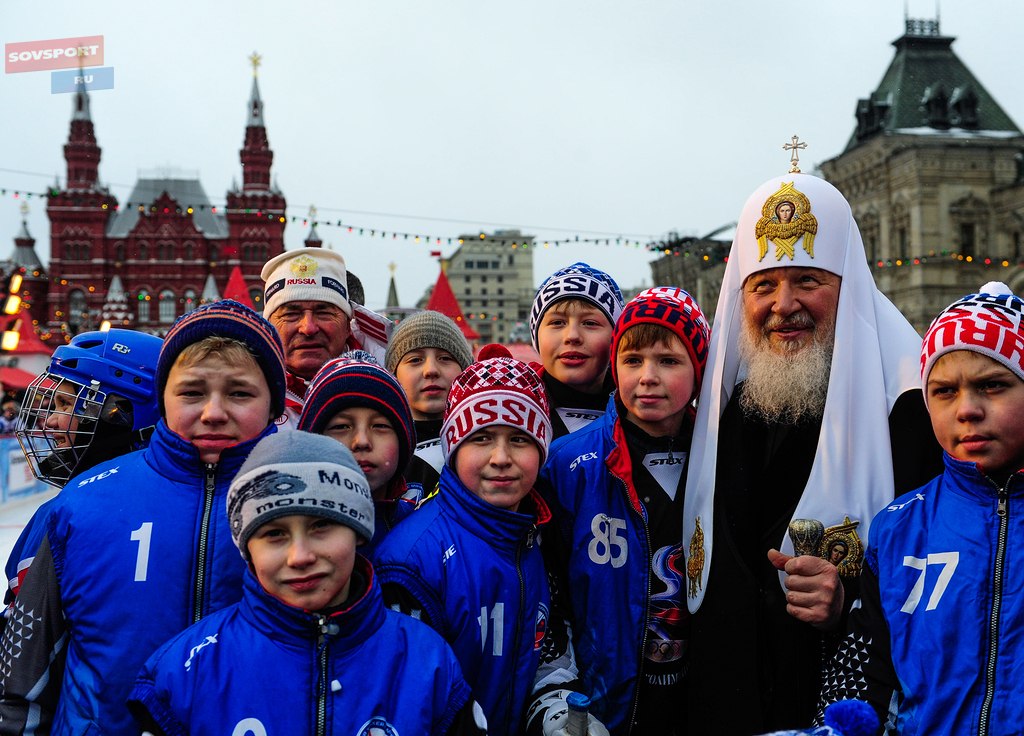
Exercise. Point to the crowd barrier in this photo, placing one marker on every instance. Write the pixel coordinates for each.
(16, 477)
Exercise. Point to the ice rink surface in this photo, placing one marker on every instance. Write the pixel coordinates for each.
(14, 516)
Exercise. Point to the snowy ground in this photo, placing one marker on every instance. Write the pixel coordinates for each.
(13, 517)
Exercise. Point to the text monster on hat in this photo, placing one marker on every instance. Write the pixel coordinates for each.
(810, 409)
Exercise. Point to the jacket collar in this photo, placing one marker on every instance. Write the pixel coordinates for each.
(295, 627)
(499, 526)
(969, 478)
(174, 457)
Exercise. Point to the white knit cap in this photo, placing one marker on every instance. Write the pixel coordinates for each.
(306, 274)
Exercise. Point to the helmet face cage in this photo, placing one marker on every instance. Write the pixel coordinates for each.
(57, 425)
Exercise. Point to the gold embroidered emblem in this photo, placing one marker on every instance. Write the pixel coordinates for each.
(841, 546)
(695, 561)
(785, 218)
(304, 267)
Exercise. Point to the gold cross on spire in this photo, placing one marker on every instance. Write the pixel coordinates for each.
(24, 209)
(312, 213)
(255, 60)
(391, 267)
(794, 160)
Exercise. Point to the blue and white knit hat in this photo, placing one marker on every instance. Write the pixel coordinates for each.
(578, 281)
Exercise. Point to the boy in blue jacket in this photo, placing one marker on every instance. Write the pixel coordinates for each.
(617, 499)
(468, 562)
(95, 401)
(353, 400)
(140, 548)
(934, 640)
(311, 648)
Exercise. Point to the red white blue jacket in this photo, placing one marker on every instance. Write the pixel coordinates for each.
(937, 632)
(133, 554)
(264, 667)
(602, 528)
(476, 572)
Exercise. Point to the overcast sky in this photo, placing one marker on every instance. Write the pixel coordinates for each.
(560, 117)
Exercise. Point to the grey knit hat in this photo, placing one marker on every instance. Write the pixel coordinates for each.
(298, 473)
(427, 329)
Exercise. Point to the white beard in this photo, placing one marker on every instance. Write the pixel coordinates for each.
(789, 387)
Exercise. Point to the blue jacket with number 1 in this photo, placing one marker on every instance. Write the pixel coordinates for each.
(133, 555)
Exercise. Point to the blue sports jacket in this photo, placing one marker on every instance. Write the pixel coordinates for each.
(603, 527)
(476, 570)
(140, 550)
(948, 560)
(264, 667)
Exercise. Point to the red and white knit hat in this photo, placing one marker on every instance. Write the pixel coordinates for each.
(990, 322)
(496, 391)
(675, 310)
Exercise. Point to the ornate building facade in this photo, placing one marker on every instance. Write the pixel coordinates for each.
(934, 173)
(147, 261)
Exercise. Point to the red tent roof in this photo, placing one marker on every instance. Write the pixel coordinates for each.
(14, 379)
(237, 290)
(29, 342)
(443, 300)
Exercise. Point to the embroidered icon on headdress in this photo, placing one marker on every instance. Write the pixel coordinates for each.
(785, 218)
(841, 546)
(304, 267)
(695, 561)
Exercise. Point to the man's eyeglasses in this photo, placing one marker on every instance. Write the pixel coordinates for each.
(324, 315)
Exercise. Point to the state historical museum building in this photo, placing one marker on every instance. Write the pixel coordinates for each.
(146, 262)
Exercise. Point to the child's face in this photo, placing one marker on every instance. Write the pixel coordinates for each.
(574, 341)
(305, 561)
(372, 439)
(977, 411)
(499, 464)
(61, 421)
(655, 385)
(426, 374)
(215, 405)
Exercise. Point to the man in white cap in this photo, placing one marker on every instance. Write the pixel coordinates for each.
(810, 410)
(306, 299)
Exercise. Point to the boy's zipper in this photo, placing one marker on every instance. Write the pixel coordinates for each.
(518, 629)
(646, 617)
(199, 583)
(1003, 511)
(321, 655)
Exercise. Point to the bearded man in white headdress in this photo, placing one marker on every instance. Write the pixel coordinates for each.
(810, 409)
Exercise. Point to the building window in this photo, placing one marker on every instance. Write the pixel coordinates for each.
(967, 233)
(78, 310)
(189, 301)
(469, 265)
(501, 279)
(143, 252)
(143, 311)
(501, 290)
(1016, 246)
(190, 252)
(214, 253)
(119, 252)
(465, 279)
(901, 243)
(483, 279)
(511, 258)
(167, 310)
(165, 251)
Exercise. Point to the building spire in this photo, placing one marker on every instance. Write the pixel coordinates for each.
(256, 155)
(81, 151)
(255, 101)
